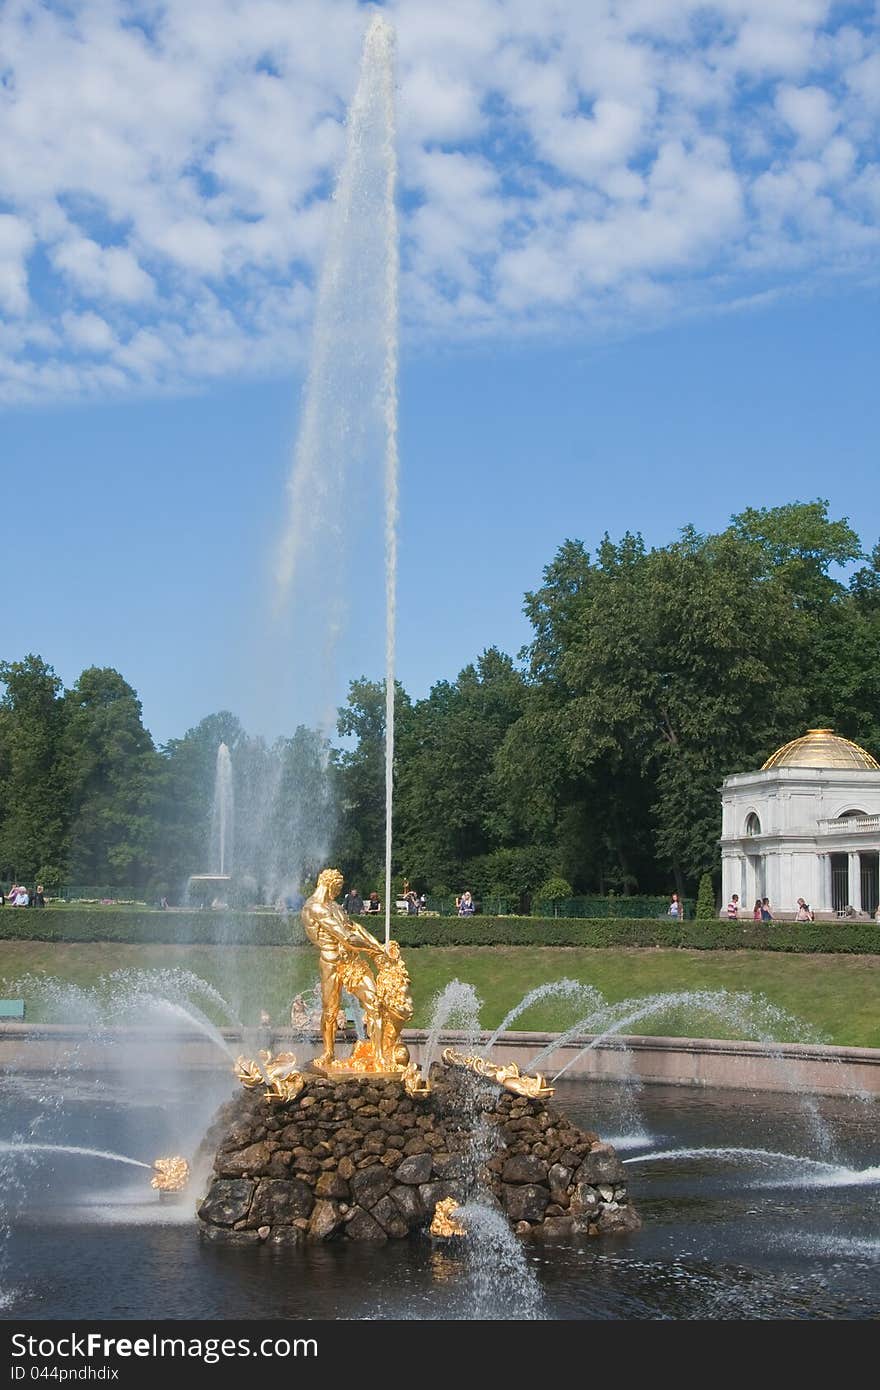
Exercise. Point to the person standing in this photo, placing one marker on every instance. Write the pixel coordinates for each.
(766, 914)
(733, 908)
(466, 906)
(353, 903)
(756, 910)
(373, 904)
(674, 908)
(804, 911)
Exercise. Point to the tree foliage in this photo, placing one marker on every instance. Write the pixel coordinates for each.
(596, 759)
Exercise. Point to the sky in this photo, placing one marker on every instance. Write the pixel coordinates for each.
(639, 289)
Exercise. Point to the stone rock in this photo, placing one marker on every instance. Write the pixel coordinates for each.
(360, 1225)
(417, 1145)
(601, 1165)
(370, 1184)
(584, 1198)
(618, 1221)
(286, 1235)
(346, 1168)
(325, 1221)
(415, 1170)
(524, 1168)
(526, 1202)
(409, 1203)
(279, 1164)
(307, 1164)
(227, 1202)
(389, 1217)
(430, 1193)
(447, 1165)
(556, 1227)
(263, 1231)
(331, 1184)
(559, 1178)
(278, 1201)
(245, 1162)
(570, 1158)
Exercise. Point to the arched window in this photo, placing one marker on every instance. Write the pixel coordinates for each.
(753, 825)
(851, 815)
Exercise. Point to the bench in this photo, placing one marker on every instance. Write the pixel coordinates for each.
(11, 1008)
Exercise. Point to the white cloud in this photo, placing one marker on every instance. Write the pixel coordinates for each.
(165, 170)
(107, 272)
(16, 240)
(89, 331)
(810, 113)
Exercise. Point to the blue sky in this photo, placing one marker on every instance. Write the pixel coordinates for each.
(639, 255)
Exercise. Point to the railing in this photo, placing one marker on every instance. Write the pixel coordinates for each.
(847, 824)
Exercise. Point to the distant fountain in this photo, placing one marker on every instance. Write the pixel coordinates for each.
(222, 821)
(211, 889)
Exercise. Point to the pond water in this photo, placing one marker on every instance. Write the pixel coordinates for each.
(787, 1229)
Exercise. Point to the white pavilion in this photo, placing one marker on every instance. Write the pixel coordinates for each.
(806, 826)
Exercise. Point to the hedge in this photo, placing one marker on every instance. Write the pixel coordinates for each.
(144, 927)
(276, 929)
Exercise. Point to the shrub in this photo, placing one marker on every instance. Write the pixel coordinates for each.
(705, 899)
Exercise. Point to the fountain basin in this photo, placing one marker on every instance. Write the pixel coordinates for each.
(702, 1062)
(723, 1237)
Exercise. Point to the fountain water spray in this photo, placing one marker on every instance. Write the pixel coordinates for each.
(222, 815)
(456, 1003)
(566, 989)
(350, 397)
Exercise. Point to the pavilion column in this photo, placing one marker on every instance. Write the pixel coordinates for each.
(825, 900)
(855, 880)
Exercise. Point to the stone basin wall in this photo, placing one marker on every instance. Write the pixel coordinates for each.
(359, 1159)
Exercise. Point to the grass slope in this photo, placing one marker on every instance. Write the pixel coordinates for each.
(837, 997)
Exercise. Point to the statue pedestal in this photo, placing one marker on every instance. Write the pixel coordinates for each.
(343, 1069)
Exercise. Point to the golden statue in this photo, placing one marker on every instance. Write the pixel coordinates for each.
(278, 1074)
(384, 997)
(170, 1174)
(509, 1076)
(444, 1222)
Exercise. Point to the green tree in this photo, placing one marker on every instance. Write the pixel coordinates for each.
(34, 793)
(448, 811)
(360, 781)
(658, 672)
(111, 770)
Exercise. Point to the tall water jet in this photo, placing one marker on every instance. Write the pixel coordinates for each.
(222, 814)
(349, 409)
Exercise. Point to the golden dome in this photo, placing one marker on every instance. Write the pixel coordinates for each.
(823, 748)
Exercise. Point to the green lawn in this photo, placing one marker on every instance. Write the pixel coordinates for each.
(837, 997)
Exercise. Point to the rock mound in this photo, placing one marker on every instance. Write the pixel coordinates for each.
(359, 1159)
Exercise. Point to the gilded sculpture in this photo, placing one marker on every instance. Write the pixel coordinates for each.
(346, 950)
(279, 1075)
(170, 1174)
(509, 1076)
(444, 1222)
